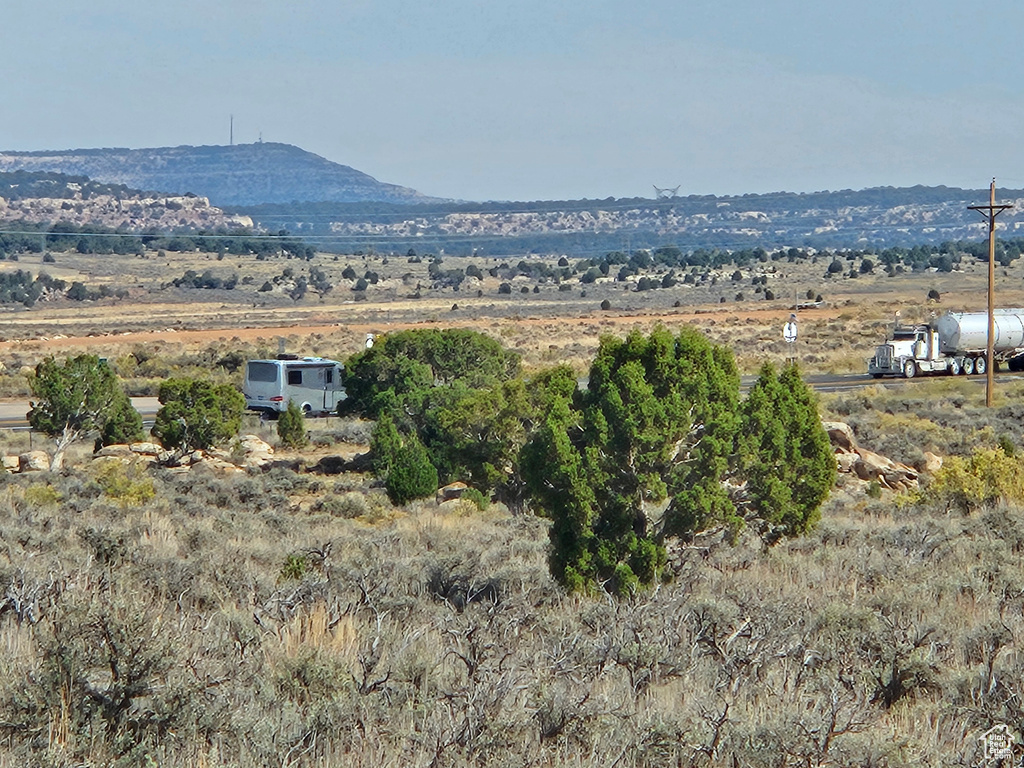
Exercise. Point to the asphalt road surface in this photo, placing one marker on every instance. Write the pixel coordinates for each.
(12, 414)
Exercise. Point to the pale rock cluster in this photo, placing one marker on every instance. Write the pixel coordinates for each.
(868, 465)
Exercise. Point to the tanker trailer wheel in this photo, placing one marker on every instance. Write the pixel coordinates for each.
(909, 369)
(980, 366)
(954, 367)
(968, 366)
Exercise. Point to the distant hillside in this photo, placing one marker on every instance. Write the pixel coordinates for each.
(243, 174)
(41, 198)
(870, 218)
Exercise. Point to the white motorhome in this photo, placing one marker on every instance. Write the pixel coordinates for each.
(314, 383)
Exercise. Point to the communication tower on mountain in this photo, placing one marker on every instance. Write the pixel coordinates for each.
(666, 193)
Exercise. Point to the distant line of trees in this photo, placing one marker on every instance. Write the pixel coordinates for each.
(18, 237)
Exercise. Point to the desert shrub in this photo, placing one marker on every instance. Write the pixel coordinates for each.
(42, 495)
(294, 567)
(353, 430)
(454, 583)
(126, 484)
(347, 505)
(97, 660)
(476, 497)
(291, 427)
(986, 476)
(108, 545)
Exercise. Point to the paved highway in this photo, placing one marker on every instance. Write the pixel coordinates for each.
(12, 414)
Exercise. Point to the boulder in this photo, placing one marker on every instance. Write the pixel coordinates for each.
(34, 461)
(450, 492)
(11, 463)
(841, 436)
(888, 473)
(930, 463)
(257, 452)
(868, 465)
(221, 465)
(147, 449)
(117, 451)
(845, 461)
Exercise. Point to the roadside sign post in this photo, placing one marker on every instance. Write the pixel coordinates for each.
(789, 333)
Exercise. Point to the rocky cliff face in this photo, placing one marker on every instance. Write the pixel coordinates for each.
(243, 174)
(133, 212)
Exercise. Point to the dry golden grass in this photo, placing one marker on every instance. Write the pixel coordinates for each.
(768, 657)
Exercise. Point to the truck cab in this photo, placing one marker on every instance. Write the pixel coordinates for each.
(909, 351)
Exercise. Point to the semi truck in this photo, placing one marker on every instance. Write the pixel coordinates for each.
(314, 383)
(955, 343)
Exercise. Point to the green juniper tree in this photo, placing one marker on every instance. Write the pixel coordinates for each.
(479, 436)
(291, 427)
(401, 366)
(659, 445)
(196, 413)
(657, 423)
(784, 454)
(77, 396)
(384, 445)
(411, 476)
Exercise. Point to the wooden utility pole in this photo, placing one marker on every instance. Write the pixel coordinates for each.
(990, 212)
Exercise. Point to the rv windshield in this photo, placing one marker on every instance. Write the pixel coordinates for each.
(260, 371)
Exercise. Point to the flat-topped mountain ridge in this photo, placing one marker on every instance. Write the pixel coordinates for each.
(239, 174)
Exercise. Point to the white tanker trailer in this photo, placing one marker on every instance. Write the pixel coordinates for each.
(954, 343)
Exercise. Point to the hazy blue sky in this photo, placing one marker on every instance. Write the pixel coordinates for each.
(539, 99)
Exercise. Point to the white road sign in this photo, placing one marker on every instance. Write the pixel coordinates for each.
(789, 332)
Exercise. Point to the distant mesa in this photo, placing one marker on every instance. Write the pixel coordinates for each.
(240, 174)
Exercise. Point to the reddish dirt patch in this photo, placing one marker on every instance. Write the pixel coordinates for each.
(569, 326)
